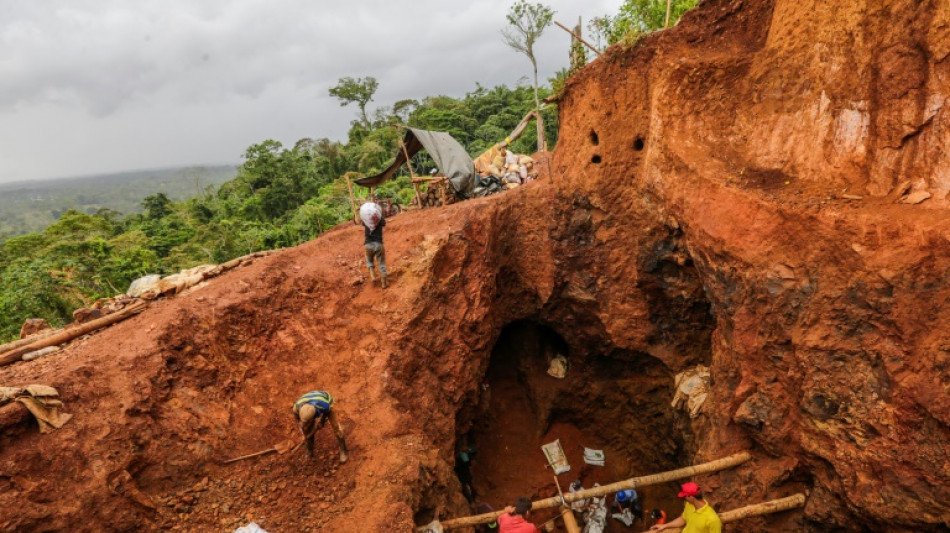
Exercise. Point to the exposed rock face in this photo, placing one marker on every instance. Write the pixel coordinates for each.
(32, 326)
(693, 213)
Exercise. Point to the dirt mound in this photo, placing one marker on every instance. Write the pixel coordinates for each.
(693, 213)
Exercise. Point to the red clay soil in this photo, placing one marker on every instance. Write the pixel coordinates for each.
(694, 212)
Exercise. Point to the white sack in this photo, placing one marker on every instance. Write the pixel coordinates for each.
(371, 214)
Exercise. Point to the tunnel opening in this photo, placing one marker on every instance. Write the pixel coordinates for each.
(617, 401)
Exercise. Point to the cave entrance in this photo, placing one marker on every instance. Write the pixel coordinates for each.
(618, 402)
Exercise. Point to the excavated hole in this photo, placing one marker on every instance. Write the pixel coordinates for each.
(594, 139)
(638, 144)
(618, 402)
(596, 160)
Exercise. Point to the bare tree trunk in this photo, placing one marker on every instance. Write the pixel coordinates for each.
(537, 106)
(669, 7)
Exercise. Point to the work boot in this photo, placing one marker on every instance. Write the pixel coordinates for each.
(343, 456)
(383, 281)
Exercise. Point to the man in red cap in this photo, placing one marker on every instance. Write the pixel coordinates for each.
(698, 515)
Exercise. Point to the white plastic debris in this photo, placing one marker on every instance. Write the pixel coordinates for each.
(594, 457)
(556, 457)
(250, 528)
(145, 283)
(692, 388)
(558, 367)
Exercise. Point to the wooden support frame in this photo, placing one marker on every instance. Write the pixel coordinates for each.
(597, 492)
(759, 509)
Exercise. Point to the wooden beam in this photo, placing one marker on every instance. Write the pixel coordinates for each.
(69, 334)
(578, 37)
(774, 506)
(597, 492)
(356, 212)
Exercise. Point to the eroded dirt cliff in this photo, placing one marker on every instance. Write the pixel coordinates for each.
(727, 193)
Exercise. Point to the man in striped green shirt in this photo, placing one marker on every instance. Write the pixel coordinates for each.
(313, 410)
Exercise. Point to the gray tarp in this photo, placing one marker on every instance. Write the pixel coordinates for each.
(449, 156)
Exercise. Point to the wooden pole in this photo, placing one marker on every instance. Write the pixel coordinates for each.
(759, 509)
(669, 7)
(570, 522)
(408, 162)
(28, 340)
(597, 492)
(578, 37)
(356, 212)
(69, 334)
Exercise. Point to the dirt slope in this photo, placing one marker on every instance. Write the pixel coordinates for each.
(693, 213)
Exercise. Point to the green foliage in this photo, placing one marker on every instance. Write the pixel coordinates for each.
(637, 17)
(356, 90)
(281, 196)
(27, 207)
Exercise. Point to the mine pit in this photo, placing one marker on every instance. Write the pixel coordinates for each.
(618, 403)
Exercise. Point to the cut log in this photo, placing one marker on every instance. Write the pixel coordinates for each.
(69, 334)
(29, 340)
(774, 506)
(597, 492)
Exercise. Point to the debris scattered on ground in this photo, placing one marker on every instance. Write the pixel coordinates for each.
(594, 457)
(558, 367)
(250, 528)
(42, 401)
(556, 458)
(692, 387)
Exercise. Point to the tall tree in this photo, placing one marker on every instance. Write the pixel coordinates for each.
(359, 90)
(526, 23)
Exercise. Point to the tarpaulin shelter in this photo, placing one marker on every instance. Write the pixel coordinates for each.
(451, 158)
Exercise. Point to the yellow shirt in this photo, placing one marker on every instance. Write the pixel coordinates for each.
(703, 520)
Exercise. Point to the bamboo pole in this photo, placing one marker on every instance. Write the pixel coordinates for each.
(669, 7)
(597, 492)
(578, 37)
(69, 334)
(570, 522)
(758, 509)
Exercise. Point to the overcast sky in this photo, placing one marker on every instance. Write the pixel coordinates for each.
(97, 86)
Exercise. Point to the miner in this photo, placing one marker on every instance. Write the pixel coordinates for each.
(313, 410)
(698, 516)
(514, 518)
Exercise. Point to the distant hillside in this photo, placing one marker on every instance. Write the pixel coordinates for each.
(30, 206)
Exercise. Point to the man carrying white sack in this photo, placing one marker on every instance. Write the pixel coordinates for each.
(372, 217)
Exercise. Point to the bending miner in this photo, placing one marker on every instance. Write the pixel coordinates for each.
(313, 410)
(698, 516)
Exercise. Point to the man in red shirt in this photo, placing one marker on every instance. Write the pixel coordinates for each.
(513, 520)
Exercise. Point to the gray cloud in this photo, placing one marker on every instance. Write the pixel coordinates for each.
(92, 86)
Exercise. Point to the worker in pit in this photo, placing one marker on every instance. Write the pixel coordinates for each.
(698, 516)
(312, 411)
(658, 516)
(514, 518)
(627, 502)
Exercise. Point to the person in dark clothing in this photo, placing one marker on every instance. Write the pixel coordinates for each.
(463, 469)
(375, 253)
(491, 527)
